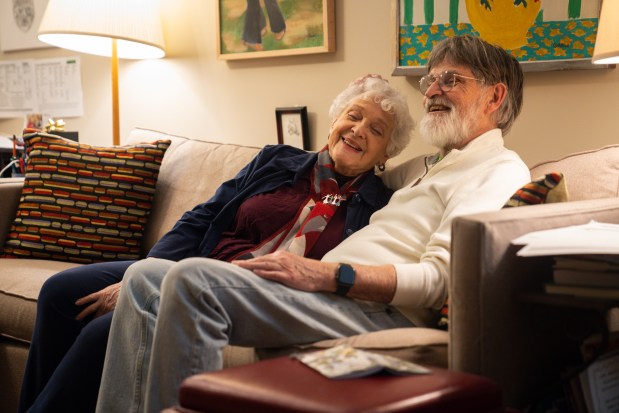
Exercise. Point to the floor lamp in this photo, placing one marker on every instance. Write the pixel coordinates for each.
(606, 49)
(126, 29)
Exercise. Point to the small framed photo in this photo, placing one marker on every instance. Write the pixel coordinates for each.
(292, 126)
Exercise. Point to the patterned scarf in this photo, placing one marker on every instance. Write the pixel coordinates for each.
(302, 232)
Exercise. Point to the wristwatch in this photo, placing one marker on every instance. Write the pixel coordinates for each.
(345, 279)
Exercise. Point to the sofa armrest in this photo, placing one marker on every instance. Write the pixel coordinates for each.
(10, 192)
(493, 332)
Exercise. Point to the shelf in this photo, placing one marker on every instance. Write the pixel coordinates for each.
(570, 301)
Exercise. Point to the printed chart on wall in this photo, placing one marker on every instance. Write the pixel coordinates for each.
(48, 86)
(541, 34)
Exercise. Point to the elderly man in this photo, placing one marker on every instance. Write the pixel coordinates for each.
(397, 267)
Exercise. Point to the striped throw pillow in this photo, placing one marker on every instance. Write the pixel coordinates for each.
(543, 190)
(83, 203)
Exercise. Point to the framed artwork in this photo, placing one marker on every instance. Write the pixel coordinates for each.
(292, 126)
(542, 35)
(248, 29)
(19, 24)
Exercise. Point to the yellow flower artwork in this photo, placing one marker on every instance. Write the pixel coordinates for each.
(534, 31)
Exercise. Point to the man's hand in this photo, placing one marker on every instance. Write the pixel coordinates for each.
(293, 271)
(101, 302)
(373, 282)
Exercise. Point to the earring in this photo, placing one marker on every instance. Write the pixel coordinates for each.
(381, 167)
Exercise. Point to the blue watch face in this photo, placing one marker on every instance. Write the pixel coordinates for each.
(346, 275)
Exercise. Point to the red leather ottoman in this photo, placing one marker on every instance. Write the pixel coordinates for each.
(286, 385)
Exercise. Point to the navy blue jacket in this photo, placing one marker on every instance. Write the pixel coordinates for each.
(198, 231)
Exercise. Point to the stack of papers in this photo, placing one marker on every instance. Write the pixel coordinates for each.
(343, 362)
(592, 238)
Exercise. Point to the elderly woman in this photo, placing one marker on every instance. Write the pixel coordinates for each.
(284, 199)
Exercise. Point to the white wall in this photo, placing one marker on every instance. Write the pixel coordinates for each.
(192, 93)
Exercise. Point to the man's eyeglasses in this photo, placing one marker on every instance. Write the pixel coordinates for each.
(446, 81)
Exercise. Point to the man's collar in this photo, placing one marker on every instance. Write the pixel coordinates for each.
(486, 138)
(492, 134)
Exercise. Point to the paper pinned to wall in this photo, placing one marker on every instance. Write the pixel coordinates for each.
(52, 86)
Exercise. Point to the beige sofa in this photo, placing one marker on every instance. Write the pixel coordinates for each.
(190, 173)
(487, 324)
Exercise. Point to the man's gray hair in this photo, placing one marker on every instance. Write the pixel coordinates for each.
(488, 62)
(377, 89)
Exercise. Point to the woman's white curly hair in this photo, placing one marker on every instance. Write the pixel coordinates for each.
(374, 87)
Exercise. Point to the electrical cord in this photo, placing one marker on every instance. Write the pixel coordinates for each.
(14, 161)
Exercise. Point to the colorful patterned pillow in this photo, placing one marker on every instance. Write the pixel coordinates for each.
(83, 203)
(543, 190)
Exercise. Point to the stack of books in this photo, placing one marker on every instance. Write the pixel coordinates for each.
(586, 258)
(594, 276)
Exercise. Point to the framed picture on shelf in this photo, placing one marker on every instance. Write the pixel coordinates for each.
(248, 29)
(548, 35)
(292, 126)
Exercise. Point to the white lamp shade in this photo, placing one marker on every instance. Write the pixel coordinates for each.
(88, 26)
(607, 42)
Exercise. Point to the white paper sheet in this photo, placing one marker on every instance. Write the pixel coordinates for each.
(591, 238)
(345, 362)
(600, 384)
(52, 86)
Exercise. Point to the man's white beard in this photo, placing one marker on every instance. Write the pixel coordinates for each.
(447, 131)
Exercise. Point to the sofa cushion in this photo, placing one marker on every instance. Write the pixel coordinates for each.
(83, 203)
(19, 290)
(419, 345)
(192, 171)
(590, 174)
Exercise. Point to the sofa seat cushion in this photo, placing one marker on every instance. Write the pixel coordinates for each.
(415, 344)
(20, 282)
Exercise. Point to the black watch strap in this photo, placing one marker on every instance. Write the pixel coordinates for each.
(345, 279)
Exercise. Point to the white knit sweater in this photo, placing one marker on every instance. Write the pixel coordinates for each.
(413, 231)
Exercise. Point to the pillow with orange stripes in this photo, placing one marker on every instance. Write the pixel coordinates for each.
(543, 190)
(83, 203)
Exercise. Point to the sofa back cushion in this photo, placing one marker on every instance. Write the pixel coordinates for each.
(191, 172)
(589, 175)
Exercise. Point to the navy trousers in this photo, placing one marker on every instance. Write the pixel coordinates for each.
(66, 356)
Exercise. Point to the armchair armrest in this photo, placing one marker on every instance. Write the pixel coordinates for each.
(492, 331)
(10, 192)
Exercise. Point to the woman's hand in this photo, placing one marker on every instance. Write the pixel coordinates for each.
(101, 302)
(293, 271)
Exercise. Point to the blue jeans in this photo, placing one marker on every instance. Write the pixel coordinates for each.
(66, 356)
(173, 319)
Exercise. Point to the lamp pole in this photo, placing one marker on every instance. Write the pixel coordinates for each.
(115, 104)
